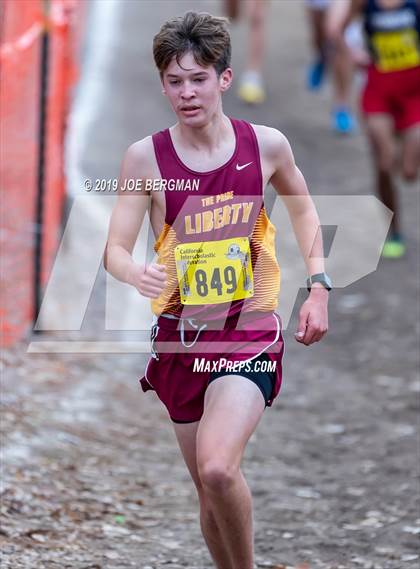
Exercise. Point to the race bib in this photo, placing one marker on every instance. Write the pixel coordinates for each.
(396, 50)
(211, 272)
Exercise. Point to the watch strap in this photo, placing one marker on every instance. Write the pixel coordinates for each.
(321, 278)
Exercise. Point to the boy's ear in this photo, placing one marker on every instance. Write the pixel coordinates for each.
(226, 79)
(163, 86)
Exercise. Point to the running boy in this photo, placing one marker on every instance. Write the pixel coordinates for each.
(214, 289)
(391, 97)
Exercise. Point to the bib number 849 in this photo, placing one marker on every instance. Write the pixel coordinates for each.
(216, 282)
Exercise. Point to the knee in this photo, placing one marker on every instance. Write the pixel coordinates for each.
(335, 38)
(257, 14)
(384, 154)
(383, 172)
(410, 173)
(385, 163)
(216, 476)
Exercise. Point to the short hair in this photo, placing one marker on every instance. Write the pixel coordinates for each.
(206, 36)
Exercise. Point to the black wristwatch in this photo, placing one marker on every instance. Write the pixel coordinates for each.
(322, 278)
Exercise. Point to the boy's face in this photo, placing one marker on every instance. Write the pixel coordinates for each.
(194, 92)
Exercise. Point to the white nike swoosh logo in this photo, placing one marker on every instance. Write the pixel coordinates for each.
(243, 166)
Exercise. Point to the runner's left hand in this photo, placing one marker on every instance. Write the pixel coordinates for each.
(313, 318)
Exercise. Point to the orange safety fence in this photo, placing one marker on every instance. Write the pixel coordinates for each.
(39, 46)
(62, 74)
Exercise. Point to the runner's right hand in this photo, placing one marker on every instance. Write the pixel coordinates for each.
(360, 58)
(149, 280)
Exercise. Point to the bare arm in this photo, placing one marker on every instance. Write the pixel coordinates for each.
(290, 184)
(125, 224)
(353, 11)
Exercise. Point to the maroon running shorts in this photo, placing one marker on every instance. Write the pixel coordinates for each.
(170, 371)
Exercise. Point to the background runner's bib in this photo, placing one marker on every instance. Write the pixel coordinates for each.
(396, 50)
(393, 35)
(217, 242)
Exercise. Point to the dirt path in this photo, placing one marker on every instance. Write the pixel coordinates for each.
(92, 478)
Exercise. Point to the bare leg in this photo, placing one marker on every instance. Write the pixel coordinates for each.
(342, 74)
(317, 28)
(381, 136)
(186, 435)
(340, 57)
(232, 9)
(251, 85)
(388, 195)
(341, 64)
(317, 67)
(411, 153)
(221, 439)
(256, 16)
